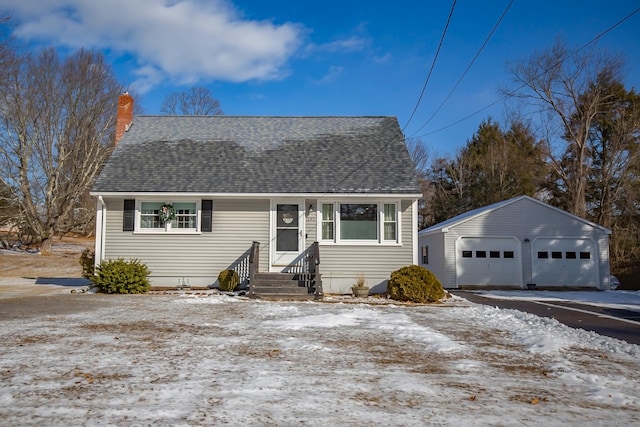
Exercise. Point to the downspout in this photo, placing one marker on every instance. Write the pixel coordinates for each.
(100, 230)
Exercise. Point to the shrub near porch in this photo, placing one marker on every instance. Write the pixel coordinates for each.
(415, 284)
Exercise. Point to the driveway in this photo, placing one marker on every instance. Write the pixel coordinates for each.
(617, 323)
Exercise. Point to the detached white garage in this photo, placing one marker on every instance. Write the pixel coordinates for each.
(518, 243)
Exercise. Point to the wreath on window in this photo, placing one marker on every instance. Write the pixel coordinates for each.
(167, 213)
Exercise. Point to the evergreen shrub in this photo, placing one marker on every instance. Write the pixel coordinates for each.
(414, 283)
(228, 280)
(117, 276)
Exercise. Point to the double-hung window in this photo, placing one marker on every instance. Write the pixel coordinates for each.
(328, 222)
(366, 223)
(184, 216)
(150, 215)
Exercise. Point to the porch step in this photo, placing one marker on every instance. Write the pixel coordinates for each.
(280, 286)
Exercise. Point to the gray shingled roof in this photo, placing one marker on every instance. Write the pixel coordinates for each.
(227, 154)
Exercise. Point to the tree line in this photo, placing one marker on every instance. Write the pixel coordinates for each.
(572, 141)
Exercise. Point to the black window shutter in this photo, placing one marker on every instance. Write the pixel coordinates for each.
(128, 219)
(206, 219)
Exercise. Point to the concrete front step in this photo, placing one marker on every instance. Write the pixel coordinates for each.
(280, 290)
(278, 277)
(281, 286)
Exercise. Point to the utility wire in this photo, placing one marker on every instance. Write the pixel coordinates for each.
(385, 145)
(433, 63)
(486, 41)
(593, 40)
(364, 163)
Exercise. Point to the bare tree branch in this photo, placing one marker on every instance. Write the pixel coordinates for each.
(552, 82)
(198, 101)
(57, 127)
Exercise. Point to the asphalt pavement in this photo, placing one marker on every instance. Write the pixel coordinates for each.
(616, 323)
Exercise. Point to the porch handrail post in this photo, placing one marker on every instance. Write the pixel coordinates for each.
(254, 265)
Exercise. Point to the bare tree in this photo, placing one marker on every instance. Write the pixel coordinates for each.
(56, 130)
(553, 83)
(7, 54)
(419, 155)
(198, 101)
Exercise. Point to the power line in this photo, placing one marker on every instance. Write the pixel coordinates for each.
(486, 41)
(433, 63)
(366, 161)
(596, 38)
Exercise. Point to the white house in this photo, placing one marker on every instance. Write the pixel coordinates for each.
(270, 192)
(517, 243)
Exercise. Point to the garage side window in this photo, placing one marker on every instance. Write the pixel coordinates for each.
(425, 254)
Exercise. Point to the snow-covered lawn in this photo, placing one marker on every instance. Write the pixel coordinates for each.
(203, 360)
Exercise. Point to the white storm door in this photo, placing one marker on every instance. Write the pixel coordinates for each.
(287, 232)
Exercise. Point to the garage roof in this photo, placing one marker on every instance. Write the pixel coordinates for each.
(444, 226)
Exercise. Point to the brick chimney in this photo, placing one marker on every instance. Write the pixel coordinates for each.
(125, 115)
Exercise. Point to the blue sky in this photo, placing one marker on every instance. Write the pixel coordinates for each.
(296, 57)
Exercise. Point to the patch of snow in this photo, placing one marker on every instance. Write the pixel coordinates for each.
(199, 360)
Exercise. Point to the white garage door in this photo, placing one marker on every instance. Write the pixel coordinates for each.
(564, 262)
(494, 261)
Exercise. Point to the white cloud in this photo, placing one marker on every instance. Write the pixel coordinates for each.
(383, 59)
(331, 76)
(351, 44)
(183, 40)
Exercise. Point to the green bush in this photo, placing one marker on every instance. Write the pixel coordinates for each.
(228, 280)
(117, 276)
(415, 284)
(87, 261)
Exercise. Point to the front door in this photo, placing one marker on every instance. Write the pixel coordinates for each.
(287, 233)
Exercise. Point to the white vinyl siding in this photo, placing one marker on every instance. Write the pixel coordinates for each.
(196, 258)
(524, 220)
(341, 264)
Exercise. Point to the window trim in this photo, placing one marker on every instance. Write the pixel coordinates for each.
(138, 220)
(379, 241)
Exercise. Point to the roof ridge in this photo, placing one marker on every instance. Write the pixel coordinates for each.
(221, 116)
